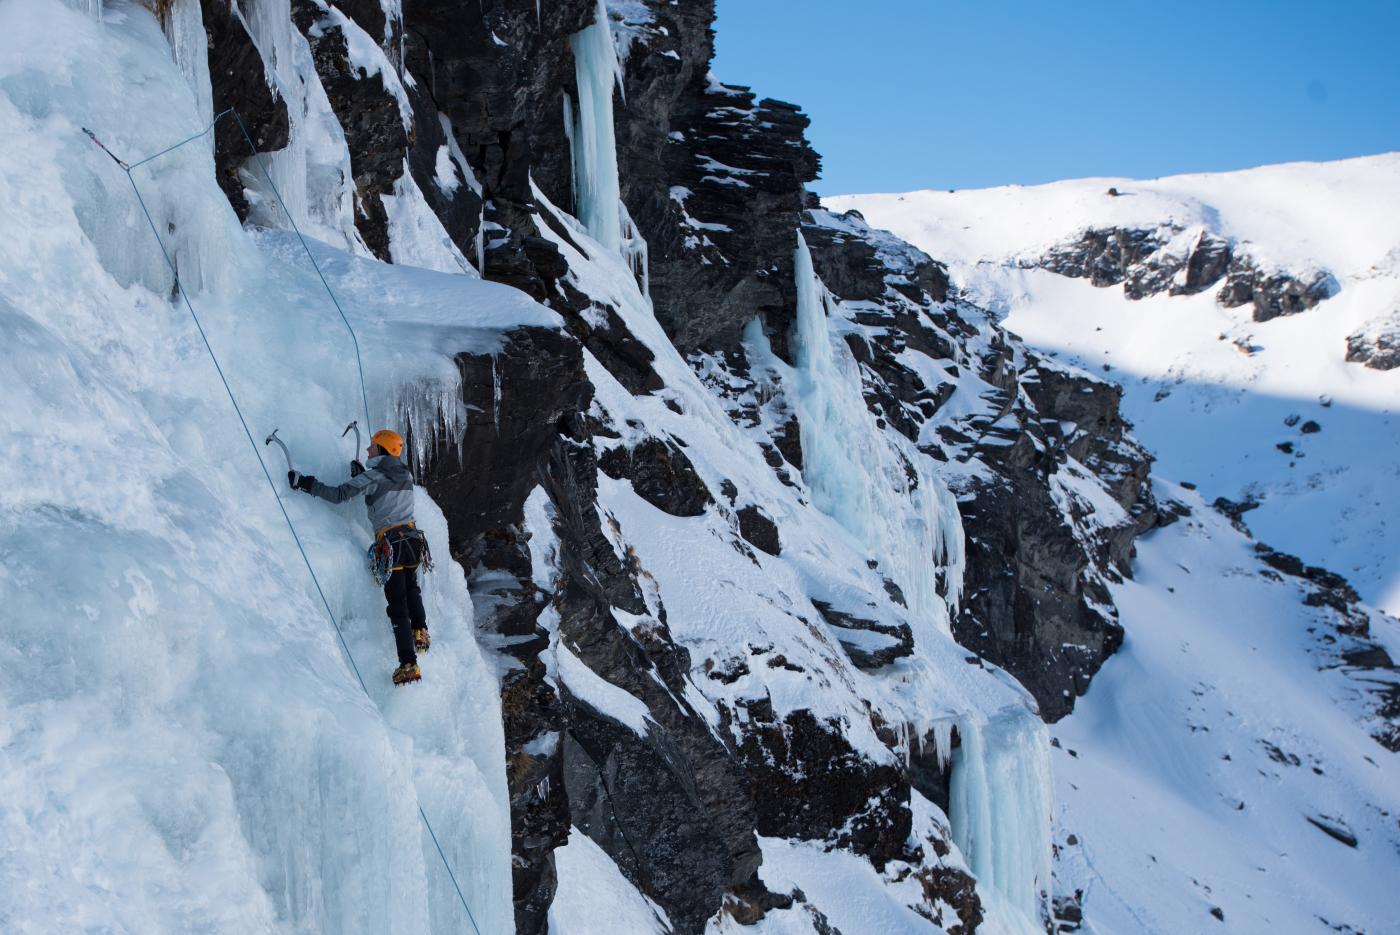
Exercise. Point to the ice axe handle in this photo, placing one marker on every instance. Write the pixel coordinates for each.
(356, 426)
(285, 453)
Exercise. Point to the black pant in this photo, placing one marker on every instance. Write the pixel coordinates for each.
(405, 611)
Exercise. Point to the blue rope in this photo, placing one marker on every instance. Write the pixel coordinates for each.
(184, 295)
(244, 422)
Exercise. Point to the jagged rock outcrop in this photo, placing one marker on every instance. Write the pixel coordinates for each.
(1148, 261)
(713, 179)
(519, 401)
(1377, 343)
(1041, 550)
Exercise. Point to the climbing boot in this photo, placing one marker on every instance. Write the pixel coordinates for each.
(421, 640)
(408, 672)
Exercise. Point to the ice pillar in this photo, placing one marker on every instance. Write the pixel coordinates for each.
(999, 807)
(597, 194)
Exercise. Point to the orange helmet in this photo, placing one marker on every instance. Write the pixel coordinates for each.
(389, 440)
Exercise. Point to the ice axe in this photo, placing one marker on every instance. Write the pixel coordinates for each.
(280, 444)
(356, 426)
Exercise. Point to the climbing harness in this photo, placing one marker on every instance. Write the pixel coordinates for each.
(247, 432)
(385, 556)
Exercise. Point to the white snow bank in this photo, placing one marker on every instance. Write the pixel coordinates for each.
(594, 898)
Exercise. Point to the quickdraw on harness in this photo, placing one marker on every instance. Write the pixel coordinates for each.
(382, 552)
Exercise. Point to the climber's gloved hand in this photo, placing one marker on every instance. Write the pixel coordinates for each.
(356, 468)
(303, 482)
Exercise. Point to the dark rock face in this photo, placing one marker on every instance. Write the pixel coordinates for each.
(239, 81)
(1273, 294)
(1377, 345)
(661, 474)
(1038, 565)
(1107, 257)
(808, 783)
(714, 181)
(671, 807)
(481, 484)
(1146, 264)
(759, 530)
(1205, 265)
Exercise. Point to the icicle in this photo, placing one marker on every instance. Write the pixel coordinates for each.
(93, 8)
(999, 807)
(481, 241)
(634, 251)
(183, 24)
(597, 193)
(952, 552)
(313, 171)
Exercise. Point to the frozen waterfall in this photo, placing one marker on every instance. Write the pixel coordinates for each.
(874, 483)
(999, 807)
(597, 194)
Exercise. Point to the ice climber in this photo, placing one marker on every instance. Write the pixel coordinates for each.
(399, 547)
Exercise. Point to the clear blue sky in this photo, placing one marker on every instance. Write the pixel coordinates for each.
(908, 94)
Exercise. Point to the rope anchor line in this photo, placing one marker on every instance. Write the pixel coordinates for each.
(228, 389)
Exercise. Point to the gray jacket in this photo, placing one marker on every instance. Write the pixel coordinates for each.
(388, 489)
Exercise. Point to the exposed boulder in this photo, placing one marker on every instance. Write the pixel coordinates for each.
(870, 644)
(759, 530)
(661, 474)
(1377, 343)
(1206, 265)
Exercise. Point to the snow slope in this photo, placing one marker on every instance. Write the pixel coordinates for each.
(183, 746)
(1190, 771)
(1193, 777)
(1208, 388)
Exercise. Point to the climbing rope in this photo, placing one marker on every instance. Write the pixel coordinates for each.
(127, 168)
